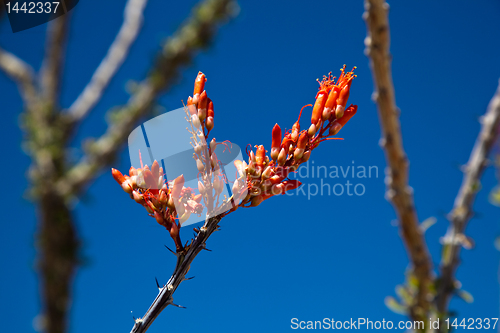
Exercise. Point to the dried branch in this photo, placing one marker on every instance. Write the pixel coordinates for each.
(184, 261)
(21, 73)
(117, 53)
(398, 191)
(462, 209)
(177, 52)
(55, 45)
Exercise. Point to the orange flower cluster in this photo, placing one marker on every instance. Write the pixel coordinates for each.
(261, 178)
(266, 176)
(148, 188)
(172, 204)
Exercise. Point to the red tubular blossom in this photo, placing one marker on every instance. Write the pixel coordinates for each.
(260, 156)
(118, 176)
(210, 111)
(287, 185)
(210, 115)
(177, 187)
(155, 170)
(150, 181)
(301, 144)
(199, 84)
(331, 102)
(318, 107)
(202, 105)
(349, 112)
(276, 142)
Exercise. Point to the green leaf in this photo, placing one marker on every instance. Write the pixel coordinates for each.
(395, 306)
(465, 295)
(427, 223)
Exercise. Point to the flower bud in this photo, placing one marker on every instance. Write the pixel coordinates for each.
(260, 157)
(218, 185)
(213, 145)
(257, 201)
(196, 121)
(282, 157)
(276, 142)
(126, 186)
(138, 197)
(202, 106)
(199, 165)
(318, 107)
(177, 186)
(330, 102)
(159, 217)
(197, 149)
(298, 153)
(335, 128)
(160, 181)
(140, 179)
(301, 144)
(306, 156)
(251, 168)
(199, 86)
(201, 188)
(267, 172)
(312, 130)
(118, 176)
(163, 198)
(236, 189)
(339, 111)
(349, 112)
(155, 169)
(210, 123)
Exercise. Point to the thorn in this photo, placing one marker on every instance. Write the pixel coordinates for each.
(157, 284)
(196, 230)
(179, 306)
(171, 250)
(189, 278)
(204, 248)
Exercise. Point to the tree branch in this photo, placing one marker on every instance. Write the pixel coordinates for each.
(177, 52)
(184, 261)
(50, 75)
(398, 191)
(21, 73)
(462, 209)
(117, 53)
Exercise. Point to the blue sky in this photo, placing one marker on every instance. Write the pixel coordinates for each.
(331, 256)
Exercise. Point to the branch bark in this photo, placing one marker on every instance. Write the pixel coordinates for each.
(398, 191)
(165, 295)
(50, 76)
(117, 53)
(462, 209)
(177, 52)
(21, 73)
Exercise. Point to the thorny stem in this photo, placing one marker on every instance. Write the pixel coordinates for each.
(184, 260)
(398, 191)
(462, 209)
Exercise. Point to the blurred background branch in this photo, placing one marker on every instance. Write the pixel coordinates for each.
(462, 211)
(117, 53)
(398, 191)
